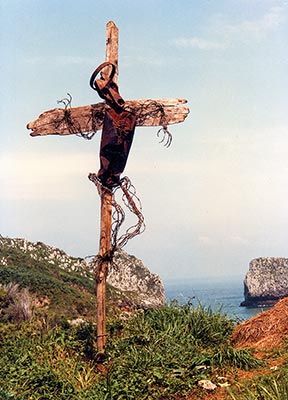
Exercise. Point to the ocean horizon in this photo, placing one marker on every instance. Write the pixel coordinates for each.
(220, 293)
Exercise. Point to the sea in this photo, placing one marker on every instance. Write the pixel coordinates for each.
(223, 294)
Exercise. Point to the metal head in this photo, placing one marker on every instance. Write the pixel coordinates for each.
(105, 86)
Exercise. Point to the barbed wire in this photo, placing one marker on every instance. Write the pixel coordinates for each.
(149, 109)
(66, 101)
(132, 202)
(153, 109)
(74, 127)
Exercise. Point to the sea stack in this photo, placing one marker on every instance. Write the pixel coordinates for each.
(266, 282)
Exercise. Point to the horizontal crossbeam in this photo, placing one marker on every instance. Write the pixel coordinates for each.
(83, 119)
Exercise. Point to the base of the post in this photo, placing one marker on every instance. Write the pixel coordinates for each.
(100, 358)
(101, 315)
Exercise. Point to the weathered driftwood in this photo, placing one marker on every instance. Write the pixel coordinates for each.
(106, 209)
(89, 118)
(112, 46)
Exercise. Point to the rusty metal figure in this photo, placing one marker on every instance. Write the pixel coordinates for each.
(118, 127)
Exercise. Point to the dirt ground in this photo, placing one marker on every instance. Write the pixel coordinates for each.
(262, 333)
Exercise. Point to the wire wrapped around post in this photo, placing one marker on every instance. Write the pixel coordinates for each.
(132, 202)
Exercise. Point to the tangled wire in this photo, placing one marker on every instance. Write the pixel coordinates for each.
(73, 125)
(132, 202)
(148, 109)
(153, 110)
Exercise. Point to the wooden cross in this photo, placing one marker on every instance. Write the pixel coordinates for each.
(86, 120)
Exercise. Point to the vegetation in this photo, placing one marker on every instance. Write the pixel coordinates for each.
(157, 354)
(153, 354)
(272, 385)
(69, 293)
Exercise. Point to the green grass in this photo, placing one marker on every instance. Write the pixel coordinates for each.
(71, 291)
(265, 388)
(156, 354)
(272, 385)
(68, 295)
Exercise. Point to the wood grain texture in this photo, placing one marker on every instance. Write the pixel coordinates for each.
(112, 46)
(90, 118)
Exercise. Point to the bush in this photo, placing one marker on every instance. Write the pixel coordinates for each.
(154, 354)
(16, 304)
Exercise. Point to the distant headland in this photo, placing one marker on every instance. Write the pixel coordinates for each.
(266, 282)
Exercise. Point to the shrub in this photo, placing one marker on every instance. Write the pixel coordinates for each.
(17, 303)
(154, 354)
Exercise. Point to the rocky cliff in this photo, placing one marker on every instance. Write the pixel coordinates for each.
(139, 287)
(266, 282)
(129, 274)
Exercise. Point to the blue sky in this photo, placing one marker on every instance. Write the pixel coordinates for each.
(212, 201)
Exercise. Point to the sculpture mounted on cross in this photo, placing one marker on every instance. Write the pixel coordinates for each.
(118, 128)
(117, 118)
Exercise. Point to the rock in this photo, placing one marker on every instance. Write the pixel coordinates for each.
(129, 274)
(39, 251)
(77, 322)
(136, 286)
(208, 385)
(266, 282)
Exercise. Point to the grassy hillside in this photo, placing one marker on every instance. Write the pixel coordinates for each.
(156, 354)
(58, 285)
(167, 353)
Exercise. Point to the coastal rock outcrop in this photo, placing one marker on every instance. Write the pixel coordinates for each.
(134, 283)
(129, 274)
(266, 282)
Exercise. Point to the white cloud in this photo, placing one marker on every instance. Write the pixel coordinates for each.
(199, 43)
(218, 238)
(128, 61)
(255, 29)
(205, 240)
(226, 34)
(61, 60)
(33, 176)
(238, 240)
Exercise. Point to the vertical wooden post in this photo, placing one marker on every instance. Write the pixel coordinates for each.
(81, 119)
(106, 213)
(104, 249)
(112, 46)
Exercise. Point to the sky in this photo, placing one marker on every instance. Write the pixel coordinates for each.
(217, 197)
